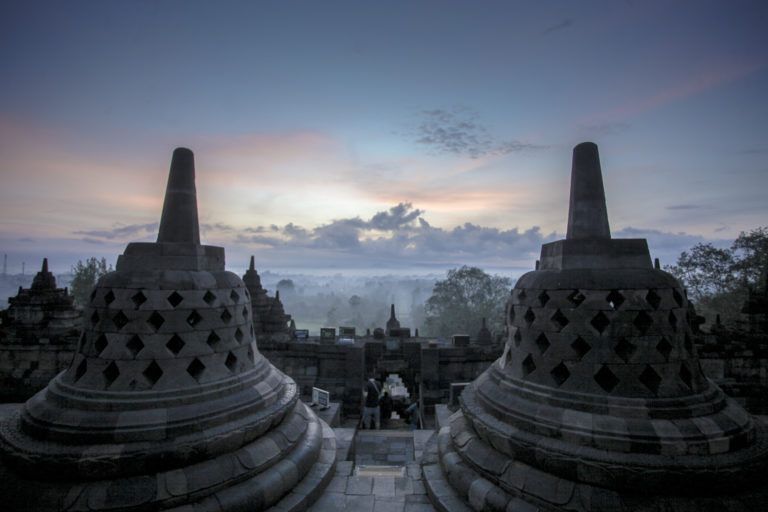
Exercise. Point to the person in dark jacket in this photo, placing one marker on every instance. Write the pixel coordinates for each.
(385, 405)
(371, 413)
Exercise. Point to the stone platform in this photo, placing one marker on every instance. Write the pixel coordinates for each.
(384, 476)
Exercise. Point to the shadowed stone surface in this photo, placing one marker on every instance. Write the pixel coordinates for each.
(168, 403)
(38, 336)
(598, 402)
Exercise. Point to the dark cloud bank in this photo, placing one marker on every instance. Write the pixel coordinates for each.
(397, 238)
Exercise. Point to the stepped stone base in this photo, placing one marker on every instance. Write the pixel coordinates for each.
(460, 471)
(268, 478)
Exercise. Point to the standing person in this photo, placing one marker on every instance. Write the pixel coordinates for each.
(371, 408)
(385, 404)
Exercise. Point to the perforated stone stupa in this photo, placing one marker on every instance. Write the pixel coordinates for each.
(598, 402)
(168, 404)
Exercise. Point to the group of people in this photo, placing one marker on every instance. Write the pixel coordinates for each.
(378, 407)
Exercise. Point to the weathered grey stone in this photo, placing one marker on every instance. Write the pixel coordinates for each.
(167, 402)
(598, 399)
(39, 335)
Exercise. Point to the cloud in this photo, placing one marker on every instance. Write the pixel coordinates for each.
(401, 234)
(401, 215)
(605, 128)
(667, 246)
(685, 207)
(120, 232)
(566, 23)
(716, 73)
(459, 132)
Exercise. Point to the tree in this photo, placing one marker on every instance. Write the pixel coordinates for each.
(460, 302)
(751, 256)
(718, 280)
(705, 270)
(85, 277)
(286, 286)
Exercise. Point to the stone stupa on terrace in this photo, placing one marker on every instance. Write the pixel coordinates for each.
(598, 402)
(167, 404)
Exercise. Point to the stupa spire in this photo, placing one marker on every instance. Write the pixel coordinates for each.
(252, 265)
(179, 223)
(587, 213)
(45, 266)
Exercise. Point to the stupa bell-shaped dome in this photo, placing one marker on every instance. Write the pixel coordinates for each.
(168, 402)
(598, 401)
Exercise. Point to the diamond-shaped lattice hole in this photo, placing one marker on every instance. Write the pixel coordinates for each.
(251, 358)
(231, 362)
(195, 369)
(560, 373)
(120, 320)
(238, 335)
(543, 298)
(209, 297)
(528, 365)
(213, 339)
(521, 295)
(234, 296)
(245, 312)
(624, 349)
(109, 298)
(138, 299)
(643, 322)
(175, 299)
(529, 317)
(135, 345)
(152, 373)
(226, 316)
(606, 379)
(580, 346)
(576, 298)
(664, 347)
(615, 299)
(678, 298)
(560, 320)
(194, 318)
(543, 343)
(100, 344)
(81, 369)
(94, 318)
(511, 313)
(650, 379)
(111, 373)
(517, 337)
(600, 322)
(156, 320)
(175, 344)
(685, 375)
(672, 320)
(653, 299)
(93, 294)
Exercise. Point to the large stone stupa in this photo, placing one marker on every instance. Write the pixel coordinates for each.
(598, 402)
(167, 404)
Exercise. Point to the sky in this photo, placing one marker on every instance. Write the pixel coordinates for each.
(378, 136)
